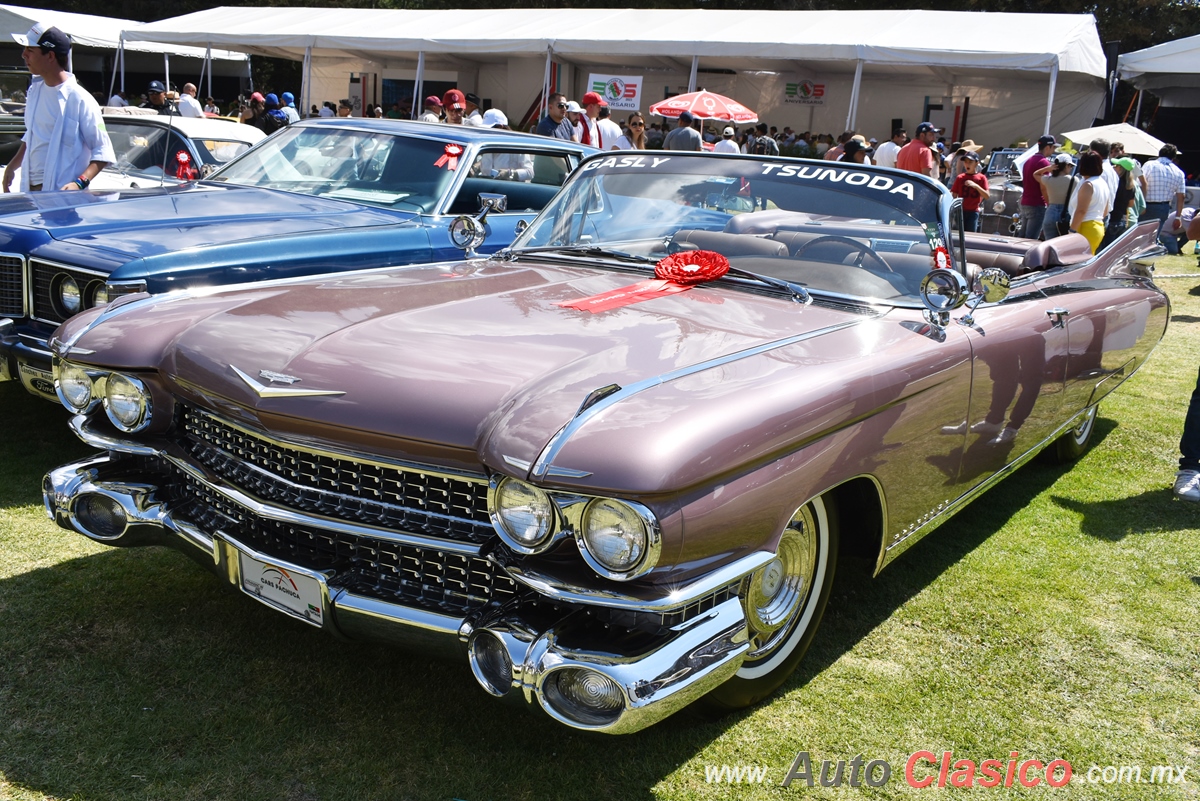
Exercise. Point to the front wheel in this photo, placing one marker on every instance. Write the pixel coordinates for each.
(784, 601)
(1073, 444)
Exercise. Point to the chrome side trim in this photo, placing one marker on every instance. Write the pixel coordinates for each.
(542, 465)
(660, 600)
(905, 539)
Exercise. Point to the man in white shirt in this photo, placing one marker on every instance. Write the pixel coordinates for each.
(1166, 187)
(610, 132)
(726, 145)
(287, 104)
(885, 154)
(472, 116)
(189, 106)
(118, 100)
(65, 144)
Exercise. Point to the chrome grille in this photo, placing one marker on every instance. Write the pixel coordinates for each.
(45, 306)
(444, 581)
(407, 499)
(12, 286)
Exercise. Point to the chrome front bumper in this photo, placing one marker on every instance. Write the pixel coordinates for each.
(518, 650)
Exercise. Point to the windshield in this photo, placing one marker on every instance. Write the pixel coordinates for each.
(379, 169)
(829, 227)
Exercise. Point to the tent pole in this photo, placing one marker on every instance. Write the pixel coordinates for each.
(1137, 115)
(418, 86)
(122, 49)
(71, 60)
(852, 112)
(208, 62)
(203, 68)
(545, 104)
(306, 82)
(1050, 98)
(692, 78)
(167, 71)
(112, 86)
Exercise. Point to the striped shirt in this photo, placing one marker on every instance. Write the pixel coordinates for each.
(1163, 180)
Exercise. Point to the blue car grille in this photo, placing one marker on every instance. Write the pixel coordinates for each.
(46, 305)
(12, 286)
(405, 498)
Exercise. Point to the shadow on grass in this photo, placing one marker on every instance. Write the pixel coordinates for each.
(1118, 518)
(36, 439)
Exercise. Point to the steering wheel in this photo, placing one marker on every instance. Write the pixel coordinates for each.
(853, 244)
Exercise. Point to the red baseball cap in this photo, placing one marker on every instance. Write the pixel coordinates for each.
(454, 99)
(592, 98)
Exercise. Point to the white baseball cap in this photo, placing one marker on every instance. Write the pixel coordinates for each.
(727, 132)
(574, 107)
(493, 117)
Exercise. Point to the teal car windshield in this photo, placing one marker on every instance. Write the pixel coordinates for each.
(378, 169)
(830, 227)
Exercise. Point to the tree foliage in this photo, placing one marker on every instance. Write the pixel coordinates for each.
(1133, 23)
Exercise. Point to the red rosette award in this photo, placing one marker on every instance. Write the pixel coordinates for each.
(941, 258)
(676, 273)
(449, 158)
(184, 170)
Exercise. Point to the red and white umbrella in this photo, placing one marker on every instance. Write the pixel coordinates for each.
(704, 106)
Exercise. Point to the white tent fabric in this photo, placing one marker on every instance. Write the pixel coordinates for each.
(89, 30)
(1170, 70)
(1014, 41)
(1051, 66)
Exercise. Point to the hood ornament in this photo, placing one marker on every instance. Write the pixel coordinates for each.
(265, 391)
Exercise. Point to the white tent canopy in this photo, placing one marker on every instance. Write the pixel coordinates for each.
(1170, 70)
(89, 30)
(1060, 53)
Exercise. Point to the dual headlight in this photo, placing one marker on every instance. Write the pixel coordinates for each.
(126, 398)
(618, 539)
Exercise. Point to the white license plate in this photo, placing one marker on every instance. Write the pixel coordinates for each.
(35, 380)
(282, 588)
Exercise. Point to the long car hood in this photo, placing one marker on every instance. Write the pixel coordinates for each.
(476, 361)
(143, 222)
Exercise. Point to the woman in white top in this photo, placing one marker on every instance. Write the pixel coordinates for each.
(634, 137)
(1090, 205)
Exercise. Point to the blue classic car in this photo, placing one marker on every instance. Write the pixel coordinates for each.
(320, 196)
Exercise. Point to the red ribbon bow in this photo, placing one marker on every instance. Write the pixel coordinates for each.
(449, 158)
(676, 273)
(184, 170)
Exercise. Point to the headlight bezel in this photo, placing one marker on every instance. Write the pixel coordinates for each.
(59, 285)
(95, 382)
(554, 530)
(569, 515)
(651, 545)
(145, 413)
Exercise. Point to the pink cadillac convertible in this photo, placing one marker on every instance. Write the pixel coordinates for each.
(609, 466)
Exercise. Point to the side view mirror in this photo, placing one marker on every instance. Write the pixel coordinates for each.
(994, 284)
(942, 291)
(467, 233)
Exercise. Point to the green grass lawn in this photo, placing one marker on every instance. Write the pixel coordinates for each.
(1057, 616)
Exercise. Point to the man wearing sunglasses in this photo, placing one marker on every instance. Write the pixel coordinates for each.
(555, 124)
(65, 144)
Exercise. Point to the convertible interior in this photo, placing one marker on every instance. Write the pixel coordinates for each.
(891, 259)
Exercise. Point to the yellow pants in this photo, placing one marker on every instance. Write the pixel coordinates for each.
(1093, 232)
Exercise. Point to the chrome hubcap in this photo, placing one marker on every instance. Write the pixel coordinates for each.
(1080, 432)
(779, 590)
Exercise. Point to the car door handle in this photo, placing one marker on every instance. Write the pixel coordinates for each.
(1058, 316)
